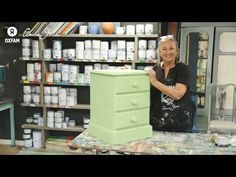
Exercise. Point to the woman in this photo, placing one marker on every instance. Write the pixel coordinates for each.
(171, 106)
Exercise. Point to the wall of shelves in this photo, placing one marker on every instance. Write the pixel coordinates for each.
(69, 41)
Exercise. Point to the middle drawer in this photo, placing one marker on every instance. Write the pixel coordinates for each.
(131, 101)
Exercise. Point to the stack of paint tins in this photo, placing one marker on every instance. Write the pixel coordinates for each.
(27, 136)
(26, 52)
(37, 139)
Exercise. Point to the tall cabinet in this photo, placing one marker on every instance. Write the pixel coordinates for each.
(208, 50)
(82, 89)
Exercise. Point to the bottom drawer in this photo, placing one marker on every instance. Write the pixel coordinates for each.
(134, 118)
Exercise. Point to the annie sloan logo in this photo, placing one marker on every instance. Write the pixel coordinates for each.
(45, 33)
(12, 32)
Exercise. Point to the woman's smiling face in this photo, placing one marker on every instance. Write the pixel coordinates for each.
(168, 51)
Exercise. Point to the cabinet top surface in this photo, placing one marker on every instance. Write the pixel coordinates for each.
(119, 72)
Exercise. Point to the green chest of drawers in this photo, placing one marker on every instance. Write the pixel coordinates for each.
(119, 105)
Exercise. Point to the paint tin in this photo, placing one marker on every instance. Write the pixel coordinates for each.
(121, 44)
(142, 55)
(37, 144)
(104, 45)
(80, 78)
(121, 55)
(37, 76)
(47, 91)
(26, 130)
(130, 29)
(52, 67)
(83, 29)
(37, 66)
(70, 101)
(27, 89)
(49, 77)
(96, 44)
(57, 54)
(50, 119)
(26, 42)
(79, 54)
(35, 98)
(88, 44)
(57, 45)
(26, 136)
(97, 66)
(71, 53)
(130, 46)
(58, 119)
(59, 114)
(27, 98)
(95, 54)
(112, 54)
(40, 121)
(87, 54)
(72, 123)
(30, 76)
(50, 124)
(35, 54)
(152, 44)
(54, 99)
(54, 90)
(58, 124)
(103, 54)
(65, 76)
(140, 29)
(35, 45)
(142, 44)
(57, 77)
(47, 99)
(37, 89)
(30, 67)
(28, 143)
(130, 55)
(79, 45)
(37, 135)
(149, 29)
(50, 114)
(150, 54)
(47, 53)
(29, 120)
(64, 125)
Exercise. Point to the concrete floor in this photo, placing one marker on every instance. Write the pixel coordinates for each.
(9, 150)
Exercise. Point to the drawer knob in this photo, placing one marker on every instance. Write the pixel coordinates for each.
(134, 102)
(133, 119)
(135, 85)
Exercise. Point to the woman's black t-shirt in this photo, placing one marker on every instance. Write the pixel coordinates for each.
(167, 114)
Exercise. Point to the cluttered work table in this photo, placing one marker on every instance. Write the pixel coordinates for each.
(161, 143)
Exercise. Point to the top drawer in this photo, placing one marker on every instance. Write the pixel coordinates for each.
(128, 84)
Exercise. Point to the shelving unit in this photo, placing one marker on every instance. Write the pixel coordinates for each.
(70, 39)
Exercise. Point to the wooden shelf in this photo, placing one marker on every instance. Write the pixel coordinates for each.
(78, 106)
(68, 129)
(146, 62)
(100, 36)
(85, 61)
(30, 82)
(65, 84)
(31, 59)
(32, 126)
(31, 105)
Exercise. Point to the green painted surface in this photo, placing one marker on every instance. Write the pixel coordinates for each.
(119, 105)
